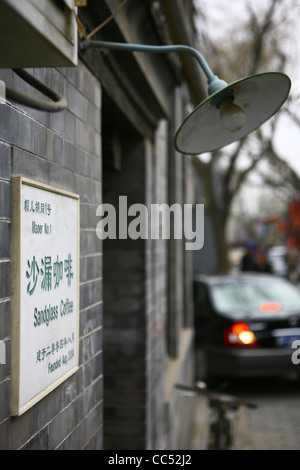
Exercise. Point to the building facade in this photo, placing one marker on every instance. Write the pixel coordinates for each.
(113, 147)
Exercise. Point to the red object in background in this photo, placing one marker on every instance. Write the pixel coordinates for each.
(294, 213)
(281, 226)
(291, 241)
(293, 208)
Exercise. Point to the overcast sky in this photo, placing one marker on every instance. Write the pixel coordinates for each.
(225, 14)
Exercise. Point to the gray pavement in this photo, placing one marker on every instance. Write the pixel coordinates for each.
(274, 425)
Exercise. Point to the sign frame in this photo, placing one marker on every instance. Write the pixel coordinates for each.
(17, 182)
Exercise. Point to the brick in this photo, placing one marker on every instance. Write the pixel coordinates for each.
(90, 345)
(26, 164)
(53, 147)
(69, 126)
(93, 369)
(10, 118)
(96, 442)
(4, 279)
(90, 293)
(5, 161)
(72, 157)
(4, 319)
(42, 146)
(4, 405)
(89, 242)
(62, 424)
(90, 267)
(38, 442)
(91, 318)
(90, 191)
(88, 217)
(5, 199)
(77, 440)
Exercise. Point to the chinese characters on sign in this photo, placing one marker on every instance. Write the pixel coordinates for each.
(45, 300)
(37, 206)
(51, 275)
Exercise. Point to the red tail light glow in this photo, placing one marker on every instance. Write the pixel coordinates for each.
(239, 335)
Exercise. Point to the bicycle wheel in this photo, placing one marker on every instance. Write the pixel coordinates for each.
(213, 437)
(219, 436)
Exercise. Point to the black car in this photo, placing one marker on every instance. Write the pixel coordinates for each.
(246, 325)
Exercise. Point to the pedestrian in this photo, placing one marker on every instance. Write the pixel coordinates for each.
(263, 265)
(248, 262)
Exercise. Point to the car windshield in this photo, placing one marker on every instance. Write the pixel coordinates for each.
(251, 296)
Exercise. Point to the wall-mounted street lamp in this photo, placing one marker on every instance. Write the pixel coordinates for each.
(229, 113)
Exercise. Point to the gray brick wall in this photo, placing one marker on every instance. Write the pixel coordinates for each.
(141, 408)
(135, 307)
(157, 290)
(63, 150)
(125, 322)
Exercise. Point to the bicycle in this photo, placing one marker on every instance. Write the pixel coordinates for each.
(223, 410)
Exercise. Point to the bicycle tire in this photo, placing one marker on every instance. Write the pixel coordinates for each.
(212, 437)
(220, 436)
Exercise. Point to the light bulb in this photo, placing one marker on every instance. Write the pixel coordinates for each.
(232, 116)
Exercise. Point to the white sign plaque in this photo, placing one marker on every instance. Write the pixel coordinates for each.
(44, 290)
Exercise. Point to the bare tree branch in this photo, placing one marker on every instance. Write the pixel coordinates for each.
(229, 192)
(261, 34)
(292, 115)
(257, 45)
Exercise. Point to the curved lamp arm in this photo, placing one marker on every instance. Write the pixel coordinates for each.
(214, 82)
(229, 120)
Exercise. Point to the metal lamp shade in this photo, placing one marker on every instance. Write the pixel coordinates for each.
(260, 96)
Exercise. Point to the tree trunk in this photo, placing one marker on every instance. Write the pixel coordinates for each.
(219, 223)
(219, 216)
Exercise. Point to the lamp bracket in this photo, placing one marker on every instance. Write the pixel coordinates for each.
(214, 82)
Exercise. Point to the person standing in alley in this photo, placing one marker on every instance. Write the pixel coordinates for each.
(248, 262)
